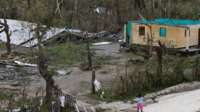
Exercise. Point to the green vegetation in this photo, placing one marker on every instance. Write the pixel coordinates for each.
(2, 46)
(71, 54)
(2, 110)
(101, 60)
(67, 54)
(144, 78)
(5, 95)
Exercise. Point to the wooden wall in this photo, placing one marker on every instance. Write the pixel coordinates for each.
(175, 36)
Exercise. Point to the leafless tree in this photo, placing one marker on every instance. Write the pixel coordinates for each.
(6, 30)
(40, 13)
(59, 4)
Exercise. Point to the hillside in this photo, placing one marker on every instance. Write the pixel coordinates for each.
(99, 55)
(114, 13)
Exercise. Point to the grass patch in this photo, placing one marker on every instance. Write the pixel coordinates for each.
(101, 60)
(144, 78)
(71, 53)
(2, 110)
(5, 95)
(109, 97)
(67, 53)
(2, 46)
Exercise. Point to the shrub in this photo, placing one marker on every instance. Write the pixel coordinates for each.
(134, 79)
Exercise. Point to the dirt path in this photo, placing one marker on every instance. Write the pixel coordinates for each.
(179, 102)
(78, 83)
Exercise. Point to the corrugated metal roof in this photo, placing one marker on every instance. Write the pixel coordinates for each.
(170, 22)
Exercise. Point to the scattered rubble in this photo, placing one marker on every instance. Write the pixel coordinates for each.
(101, 43)
(23, 30)
(63, 72)
(25, 64)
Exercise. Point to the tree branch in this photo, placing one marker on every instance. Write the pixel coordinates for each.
(58, 7)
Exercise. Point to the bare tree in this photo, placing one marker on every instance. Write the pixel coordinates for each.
(160, 52)
(29, 3)
(90, 62)
(42, 65)
(116, 3)
(40, 14)
(59, 4)
(6, 30)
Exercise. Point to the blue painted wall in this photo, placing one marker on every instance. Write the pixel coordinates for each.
(129, 32)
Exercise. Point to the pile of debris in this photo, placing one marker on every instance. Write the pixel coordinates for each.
(22, 34)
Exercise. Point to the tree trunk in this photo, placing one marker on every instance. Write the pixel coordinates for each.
(150, 42)
(43, 69)
(49, 91)
(75, 17)
(197, 69)
(93, 79)
(8, 34)
(89, 53)
(8, 45)
(159, 52)
(29, 3)
(118, 14)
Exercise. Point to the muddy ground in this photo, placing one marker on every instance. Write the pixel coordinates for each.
(70, 79)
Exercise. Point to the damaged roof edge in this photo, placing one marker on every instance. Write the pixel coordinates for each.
(169, 22)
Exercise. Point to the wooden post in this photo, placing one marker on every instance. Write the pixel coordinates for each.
(125, 34)
(187, 38)
(89, 52)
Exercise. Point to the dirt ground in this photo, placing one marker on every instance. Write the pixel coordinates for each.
(78, 82)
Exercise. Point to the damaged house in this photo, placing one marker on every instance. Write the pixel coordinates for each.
(173, 33)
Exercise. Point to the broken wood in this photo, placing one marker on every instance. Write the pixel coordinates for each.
(14, 63)
(25, 42)
(9, 87)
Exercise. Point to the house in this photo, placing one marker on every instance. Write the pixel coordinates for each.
(173, 33)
